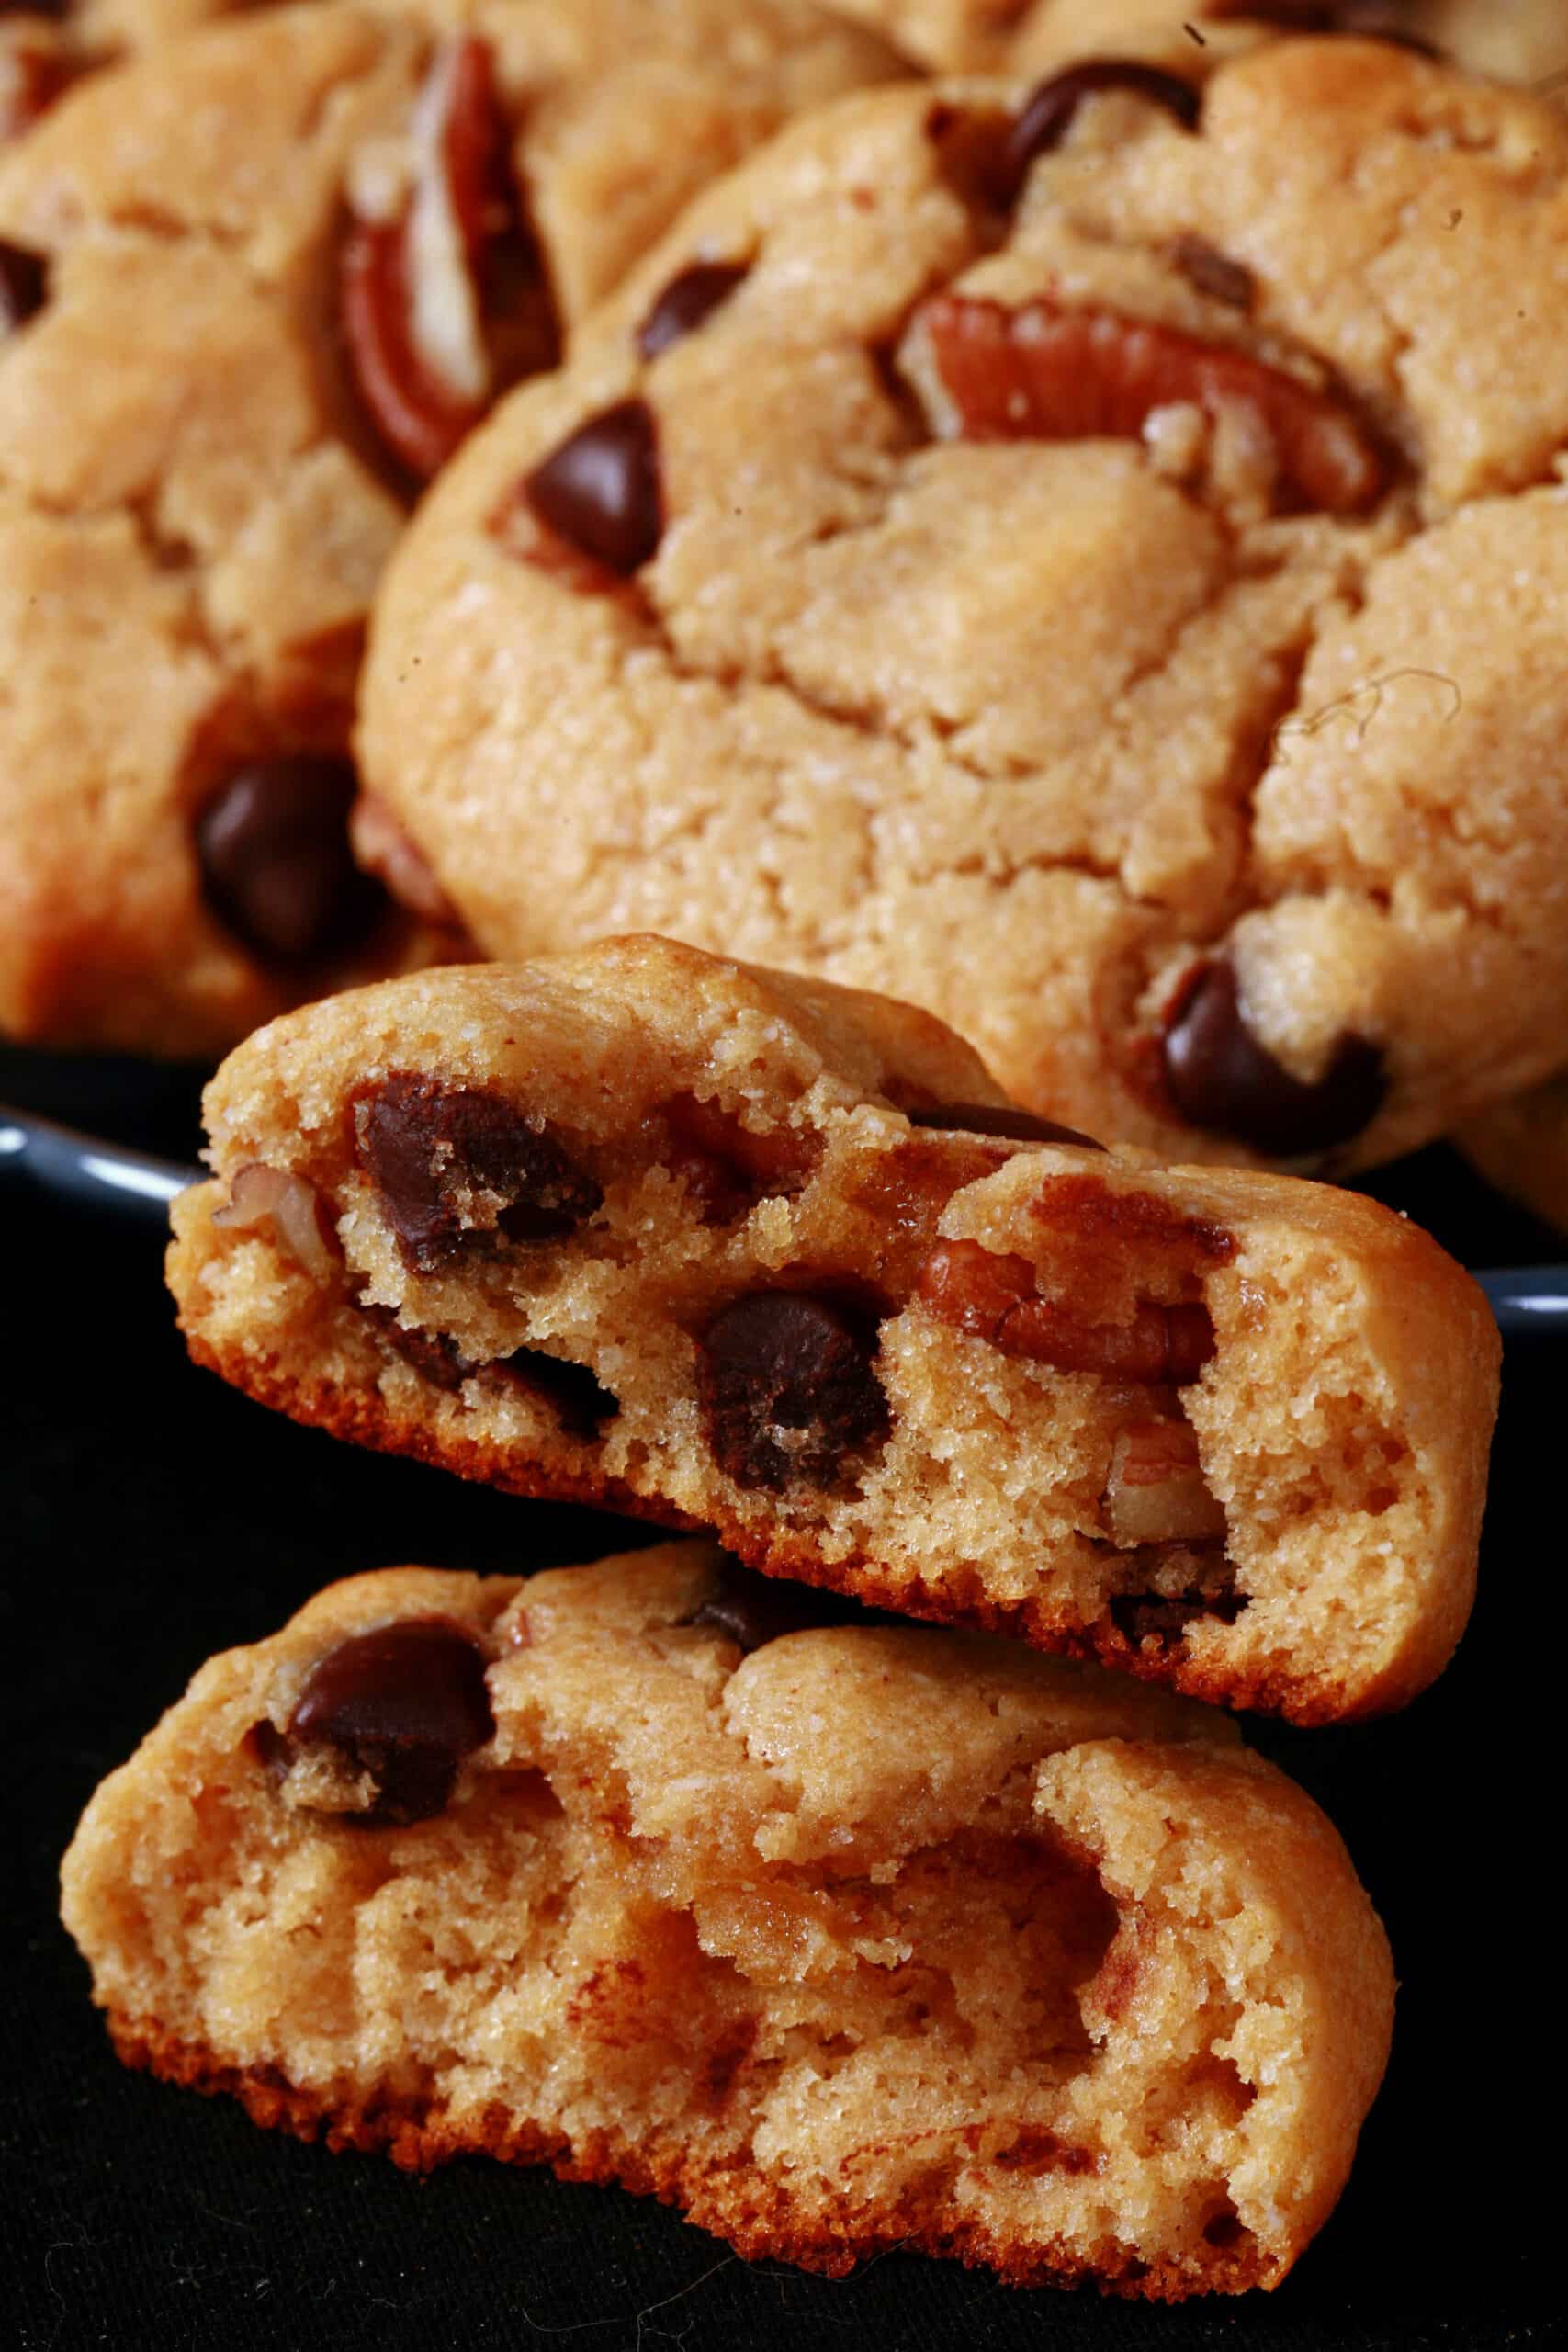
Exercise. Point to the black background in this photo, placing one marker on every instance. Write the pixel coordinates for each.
(152, 1517)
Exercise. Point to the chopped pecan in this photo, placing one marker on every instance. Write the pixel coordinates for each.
(1045, 372)
(724, 1166)
(444, 302)
(292, 1207)
(1156, 1492)
(995, 1298)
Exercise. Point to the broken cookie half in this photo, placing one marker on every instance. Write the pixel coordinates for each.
(647, 1228)
(839, 1938)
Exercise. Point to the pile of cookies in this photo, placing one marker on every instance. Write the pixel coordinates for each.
(626, 577)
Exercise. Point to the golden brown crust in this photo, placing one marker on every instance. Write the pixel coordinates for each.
(755, 2217)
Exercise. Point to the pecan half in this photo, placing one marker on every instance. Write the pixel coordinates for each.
(444, 301)
(1155, 1491)
(1045, 372)
(995, 1298)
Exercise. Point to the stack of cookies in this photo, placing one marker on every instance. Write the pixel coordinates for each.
(907, 552)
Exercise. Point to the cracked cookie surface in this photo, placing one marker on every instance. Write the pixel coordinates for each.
(1096, 572)
(251, 288)
(840, 1938)
(728, 1248)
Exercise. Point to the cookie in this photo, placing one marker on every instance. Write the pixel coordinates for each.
(1521, 1146)
(840, 1939)
(1095, 569)
(215, 406)
(641, 1227)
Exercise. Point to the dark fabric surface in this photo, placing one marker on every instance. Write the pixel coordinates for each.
(152, 1518)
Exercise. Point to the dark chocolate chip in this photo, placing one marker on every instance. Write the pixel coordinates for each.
(687, 303)
(1002, 1120)
(1223, 1080)
(1205, 267)
(582, 1405)
(272, 844)
(450, 1162)
(750, 1610)
(24, 285)
(787, 1387)
(1047, 113)
(600, 490)
(405, 1704)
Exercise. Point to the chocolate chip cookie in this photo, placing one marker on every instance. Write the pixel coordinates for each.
(839, 1939)
(253, 290)
(1090, 561)
(733, 1249)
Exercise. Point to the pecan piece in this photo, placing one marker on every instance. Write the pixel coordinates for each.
(995, 1298)
(1045, 372)
(296, 1212)
(444, 302)
(725, 1167)
(1155, 1491)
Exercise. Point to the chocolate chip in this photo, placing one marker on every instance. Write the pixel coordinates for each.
(24, 285)
(582, 1405)
(405, 1704)
(788, 1388)
(751, 1611)
(1213, 273)
(452, 1161)
(272, 844)
(687, 303)
(600, 490)
(1048, 112)
(1223, 1080)
(998, 1119)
